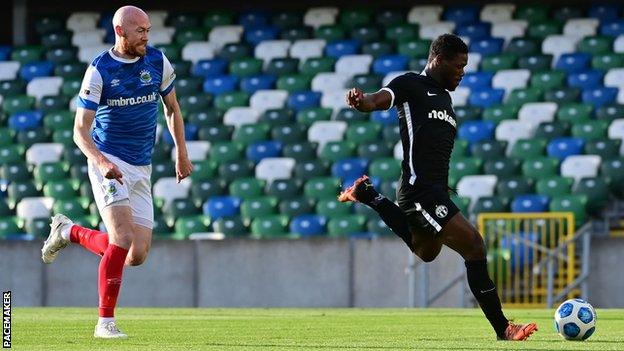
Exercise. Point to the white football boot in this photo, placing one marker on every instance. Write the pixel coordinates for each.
(55, 241)
(108, 330)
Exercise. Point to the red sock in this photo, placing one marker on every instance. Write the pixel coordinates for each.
(109, 279)
(91, 239)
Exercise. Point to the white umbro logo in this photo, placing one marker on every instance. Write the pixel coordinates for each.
(429, 94)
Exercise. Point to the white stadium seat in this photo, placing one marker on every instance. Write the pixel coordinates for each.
(433, 30)
(476, 186)
(88, 37)
(263, 100)
(237, 116)
(169, 189)
(559, 44)
(497, 12)
(474, 60)
(580, 166)
(510, 79)
(221, 35)
(44, 152)
(44, 86)
(157, 18)
(198, 50)
(397, 151)
(9, 69)
(390, 76)
(197, 150)
(325, 131)
(161, 35)
(86, 54)
(581, 27)
(614, 78)
(535, 113)
(318, 16)
(425, 14)
(30, 208)
(511, 130)
(334, 99)
(616, 131)
(509, 29)
(327, 81)
(80, 21)
(272, 168)
(304, 49)
(270, 49)
(618, 44)
(459, 96)
(351, 65)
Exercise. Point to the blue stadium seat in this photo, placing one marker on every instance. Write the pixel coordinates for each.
(5, 52)
(588, 79)
(613, 28)
(258, 82)
(475, 131)
(253, 18)
(210, 68)
(308, 225)
(32, 70)
(564, 147)
(339, 48)
(486, 97)
(263, 149)
(221, 206)
(106, 19)
(386, 118)
(255, 35)
(303, 99)
(600, 96)
(25, 120)
(605, 12)
(350, 168)
(487, 46)
(573, 62)
(390, 63)
(461, 14)
(530, 203)
(474, 31)
(520, 246)
(221, 84)
(477, 80)
(190, 133)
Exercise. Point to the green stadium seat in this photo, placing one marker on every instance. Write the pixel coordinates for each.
(73, 155)
(460, 149)
(183, 20)
(498, 62)
(463, 167)
(236, 169)
(187, 85)
(301, 151)
(554, 186)
(203, 170)
(161, 228)
(64, 136)
(228, 100)
(27, 53)
(311, 168)
(246, 67)
(463, 203)
(172, 51)
(79, 172)
(61, 54)
(528, 148)
(541, 30)
(296, 33)
(258, 207)
(247, 188)
(206, 118)
(523, 46)
(613, 170)
(181, 208)
(293, 207)
(250, 133)
(322, 188)
(195, 103)
(235, 51)
(71, 87)
(72, 207)
(548, 79)
(532, 12)
(502, 167)
(375, 150)
(182, 68)
(10, 88)
(368, 83)
(331, 208)
(607, 61)
(563, 95)
(386, 169)
(402, 32)
(39, 227)
(330, 32)
(278, 116)
(363, 132)
(12, 154)
(514, 186)
(345, 225)
(231, 226)
(223, 152)
(467, 113)
(294, 82)
(490, 204)
(540, 167)
(28, 138)
(15, 172)
(417, 64)
(215, 134)
(161, 152)
(70, 70)
(354, 17)
(566, 12)
(289, 133)
(610, 112)
(337, 150)
(58, 120)
(7, 136)
(389, 17)
(284, 188)
(51, 171)
(389, 188)
(570, 203)
(275, 226)
(53, 103)
(49, 23)
(366, 34)
(86, 191)
(202, 190)
(489, 149)
(414, 48)
(596, 45)
(592, 130)
(10, 225)
(214, 18)
(162, 169)
(535, 63)
(521, 96)
(605, 148)
(18, 103)
(315, 65)
(378, 48)
(379, 227)
(310, 115)
(596, 190)
(282, 66)
(185, 36)
(551, 130)
(575, 112)
(498, 113)
(186, 226)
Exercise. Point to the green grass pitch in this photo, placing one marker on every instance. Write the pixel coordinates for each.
(297, 329)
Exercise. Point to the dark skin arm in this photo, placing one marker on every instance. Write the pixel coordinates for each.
(368, 102)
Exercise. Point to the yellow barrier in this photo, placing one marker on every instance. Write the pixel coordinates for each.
(518, 247)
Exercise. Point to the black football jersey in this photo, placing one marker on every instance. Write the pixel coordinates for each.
(428, 128)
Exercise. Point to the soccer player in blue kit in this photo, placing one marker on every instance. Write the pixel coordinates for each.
(121, 91)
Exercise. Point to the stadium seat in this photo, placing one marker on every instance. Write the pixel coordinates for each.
(558, 45)
(34, 207)
(307, 48)
(221, 207)
(486, 97)
(554, 186)
(488, 149)
(289, 133)
(258, 207)
(499, 113)
(528, 148)
(477, 80)
(303, 99)
(346, 225)
(308, 225)
(540, 167)
(268, 50)
(300, 151)
(487, 46)
(535, 113)
(503, 167)
(331, 208)
(509, 30)
(581, 27)
(476, 186)
(561, 148)
(274, 226)
(231, 226)
(339, 48)
(186, 226)
(580, 166)
(25, 121)
(494, 63)
(512, 130)
(591, 130)
(350, 65)
(169, 189)
(323, 132)
(596, 191)
(225, 34)
(322, 187)
(530, 203)
(570, 203)
(44, 152)
(312, 168)
(599, 96)
(511, 79)
(270, 169)
(573, 62)
(605, 148)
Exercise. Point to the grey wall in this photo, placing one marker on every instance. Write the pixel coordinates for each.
(606, 278)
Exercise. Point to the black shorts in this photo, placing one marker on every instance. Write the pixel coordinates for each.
(427, 208)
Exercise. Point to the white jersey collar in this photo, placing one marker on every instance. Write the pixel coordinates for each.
(121, 59)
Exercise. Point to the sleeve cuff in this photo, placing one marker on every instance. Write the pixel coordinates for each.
(167, 90)
(86, 104)
(392, 94)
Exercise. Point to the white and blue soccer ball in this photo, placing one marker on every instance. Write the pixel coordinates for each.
(575, 319)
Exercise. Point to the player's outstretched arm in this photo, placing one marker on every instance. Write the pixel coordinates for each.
(173, 116)
(84, 141)
(380, 100)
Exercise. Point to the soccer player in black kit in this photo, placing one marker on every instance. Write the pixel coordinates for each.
(426, 218)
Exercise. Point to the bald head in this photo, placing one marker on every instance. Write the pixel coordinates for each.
(131, 26)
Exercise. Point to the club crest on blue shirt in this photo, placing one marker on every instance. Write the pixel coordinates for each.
(146, 77)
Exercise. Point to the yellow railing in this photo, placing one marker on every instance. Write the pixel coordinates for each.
(519, 246)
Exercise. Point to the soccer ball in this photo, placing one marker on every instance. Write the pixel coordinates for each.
(575, 319)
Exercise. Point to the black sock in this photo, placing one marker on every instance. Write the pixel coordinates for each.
(484, 291)
(393, 216)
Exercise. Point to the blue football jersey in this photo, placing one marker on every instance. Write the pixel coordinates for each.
(125, 94)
